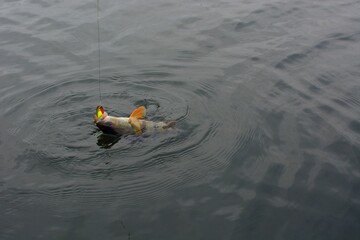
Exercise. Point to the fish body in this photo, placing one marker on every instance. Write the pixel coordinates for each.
(135, 124)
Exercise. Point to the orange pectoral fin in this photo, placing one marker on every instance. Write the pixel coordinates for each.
(138, 113)
(135, 124)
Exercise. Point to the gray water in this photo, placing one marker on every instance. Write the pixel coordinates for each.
(265, 95)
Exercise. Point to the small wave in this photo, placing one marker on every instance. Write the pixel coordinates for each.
(64, 142)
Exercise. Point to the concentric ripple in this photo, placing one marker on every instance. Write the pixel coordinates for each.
(265, 95)
(63, 141)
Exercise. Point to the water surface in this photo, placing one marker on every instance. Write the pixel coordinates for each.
(266, 96)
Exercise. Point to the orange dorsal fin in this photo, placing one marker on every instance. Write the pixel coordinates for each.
(138, 113)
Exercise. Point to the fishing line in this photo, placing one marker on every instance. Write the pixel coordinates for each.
(98, 32)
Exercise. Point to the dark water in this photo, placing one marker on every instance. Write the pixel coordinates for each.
(266, 95)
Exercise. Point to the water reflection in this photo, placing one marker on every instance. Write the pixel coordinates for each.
(266, 99)
(106, 141)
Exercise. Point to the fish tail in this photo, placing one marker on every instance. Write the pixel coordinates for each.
(169, 124)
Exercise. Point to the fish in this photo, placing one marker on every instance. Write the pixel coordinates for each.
(135, 124)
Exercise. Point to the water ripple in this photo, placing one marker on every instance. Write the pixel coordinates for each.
(265, 98)
(182, 152)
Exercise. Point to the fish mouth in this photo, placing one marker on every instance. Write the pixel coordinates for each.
(96, 119)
